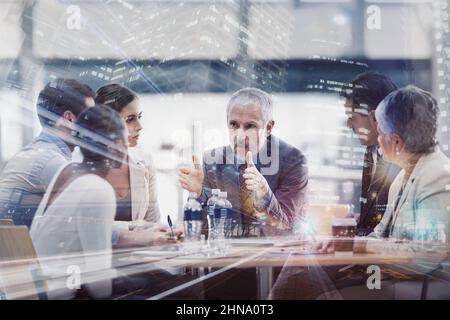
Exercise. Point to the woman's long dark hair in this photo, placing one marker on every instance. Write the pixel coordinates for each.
(115, 96)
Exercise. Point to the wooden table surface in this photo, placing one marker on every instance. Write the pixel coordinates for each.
(276, 253)
(242, 253)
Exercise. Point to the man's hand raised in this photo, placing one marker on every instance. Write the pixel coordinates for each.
(191, 179)
(254, 180)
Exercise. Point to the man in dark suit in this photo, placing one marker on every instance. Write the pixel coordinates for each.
(265, 178)
(363, 95)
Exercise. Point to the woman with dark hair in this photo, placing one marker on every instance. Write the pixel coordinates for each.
(77, 212)
(135, 180)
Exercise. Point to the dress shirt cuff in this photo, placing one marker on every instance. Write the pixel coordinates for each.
(264, 203)
(268, 198)
(269, 201)
(272, 208)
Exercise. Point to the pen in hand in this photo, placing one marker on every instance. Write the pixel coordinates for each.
(169, 221)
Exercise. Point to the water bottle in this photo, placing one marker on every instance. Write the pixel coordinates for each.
(219, 221)
(223, 216)
(210, 205)
(193, 218)
(227, 213)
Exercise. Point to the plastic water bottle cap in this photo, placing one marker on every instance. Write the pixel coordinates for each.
(192, 195)
(223, 194)
(215, 191)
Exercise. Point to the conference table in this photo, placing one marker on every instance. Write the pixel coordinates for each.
(262, 254)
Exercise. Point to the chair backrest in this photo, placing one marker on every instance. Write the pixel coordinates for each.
(18, 263)
(321, 217)
(6, 222)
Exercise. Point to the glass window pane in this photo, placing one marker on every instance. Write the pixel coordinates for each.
(136, 29)
(11, 35)
(300, 31)
(405, 32)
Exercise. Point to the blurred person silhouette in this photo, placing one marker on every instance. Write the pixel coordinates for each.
(362, 97)
(77, 212)
(417, 217)
(26, 176)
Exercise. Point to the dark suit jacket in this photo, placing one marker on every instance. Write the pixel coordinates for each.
(282, 165)
(373, 202)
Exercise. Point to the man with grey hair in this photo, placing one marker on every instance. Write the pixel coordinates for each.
(265, 178)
